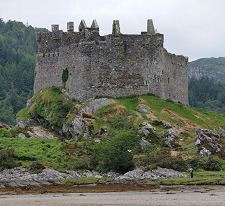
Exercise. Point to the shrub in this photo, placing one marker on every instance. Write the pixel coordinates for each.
(120, 122)
(116, 154)
(36, 167)
(7, 160)
(5, 133)
(162, 158)
(81, 164)
(213, 165)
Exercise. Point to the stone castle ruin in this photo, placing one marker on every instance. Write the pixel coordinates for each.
(89, 65)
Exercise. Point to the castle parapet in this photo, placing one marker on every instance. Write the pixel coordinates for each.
(55, 27)
(52, 41)
(70, 26)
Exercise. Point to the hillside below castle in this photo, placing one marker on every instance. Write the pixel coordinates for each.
(116, 65)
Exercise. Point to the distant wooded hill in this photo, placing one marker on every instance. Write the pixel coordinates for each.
(210, 67)
(17, 62)
(207, 84)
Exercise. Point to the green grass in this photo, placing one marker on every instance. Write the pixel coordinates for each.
(24, 114)
(47, 152)
(208, 119)
(200, 178)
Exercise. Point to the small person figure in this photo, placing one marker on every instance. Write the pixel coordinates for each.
(191, 172)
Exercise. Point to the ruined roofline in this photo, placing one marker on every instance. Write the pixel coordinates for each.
(150, 30)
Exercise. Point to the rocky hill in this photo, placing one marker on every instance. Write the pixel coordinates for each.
(210, 67)
(58, 139)
(92, 134)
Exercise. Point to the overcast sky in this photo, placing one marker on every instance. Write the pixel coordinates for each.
(193, 28)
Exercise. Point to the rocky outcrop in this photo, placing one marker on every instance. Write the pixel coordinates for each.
(25, 123)
(95, 104)
(144, 109)
(80, 123)
(146, 129)
(3, 125)
(208, 141)
(172, 137)
(137, 175)
(19, 176)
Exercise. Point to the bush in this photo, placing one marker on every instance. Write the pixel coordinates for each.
(120, 122)
(162, 158)
(213, 165)
(36, 167)
(81, 164)
(5, 133)
(116, 155)
(7, 160)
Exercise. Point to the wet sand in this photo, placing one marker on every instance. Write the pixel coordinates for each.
(163, 196)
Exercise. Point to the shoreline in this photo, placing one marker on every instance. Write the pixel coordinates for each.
(195, 195)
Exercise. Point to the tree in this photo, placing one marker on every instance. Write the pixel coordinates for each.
(116, 155)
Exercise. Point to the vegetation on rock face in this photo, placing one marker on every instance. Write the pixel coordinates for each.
(51, 106)
(65, 75)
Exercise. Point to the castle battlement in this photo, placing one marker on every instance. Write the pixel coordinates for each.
(112, 65)
(52, 41)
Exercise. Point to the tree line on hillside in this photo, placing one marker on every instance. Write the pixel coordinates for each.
(18, 49)
(207, 93)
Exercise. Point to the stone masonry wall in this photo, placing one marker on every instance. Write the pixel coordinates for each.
(113, 65)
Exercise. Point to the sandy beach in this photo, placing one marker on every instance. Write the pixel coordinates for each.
(164, 196)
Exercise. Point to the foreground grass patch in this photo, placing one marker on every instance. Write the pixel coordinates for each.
(200, 178)
(47, 152)
(87, 180)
